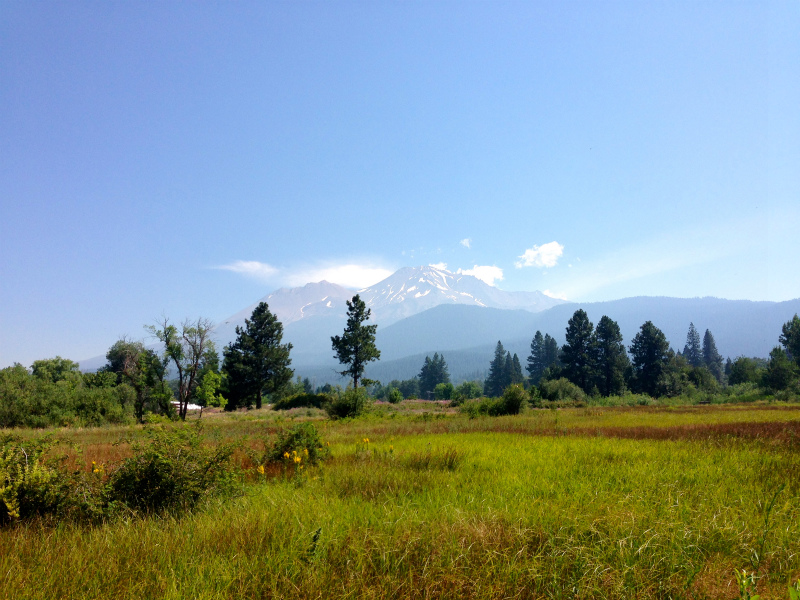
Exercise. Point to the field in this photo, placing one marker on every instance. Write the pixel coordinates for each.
(422, 502)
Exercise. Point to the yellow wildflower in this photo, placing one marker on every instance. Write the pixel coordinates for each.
(285, 455)
(305, 451)
(297, 459)
(260, 469)
(366, 440)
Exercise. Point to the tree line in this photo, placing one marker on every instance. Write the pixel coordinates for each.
(138, 381)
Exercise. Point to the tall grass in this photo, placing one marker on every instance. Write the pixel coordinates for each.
(460, 508)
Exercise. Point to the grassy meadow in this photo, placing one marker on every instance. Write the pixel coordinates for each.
(419, 501)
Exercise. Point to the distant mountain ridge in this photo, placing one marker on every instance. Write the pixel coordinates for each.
(422, 310)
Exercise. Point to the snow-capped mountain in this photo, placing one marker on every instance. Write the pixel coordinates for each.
(412, 290)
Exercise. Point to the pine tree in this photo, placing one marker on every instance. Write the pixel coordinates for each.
(516, 375)
(578, 353)
(356, 346)
(711, 358)
(493, 386)
(257, 363)
(536, 360)
(790, 339)
(612, 359)
(434, 371)
(691, 351)
(650, 354)
(550, 352)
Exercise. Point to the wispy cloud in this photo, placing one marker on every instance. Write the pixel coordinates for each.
(252, 269)
(546, 255)
(347, 274)
(556, 295)
(466, 242)
(487, 274)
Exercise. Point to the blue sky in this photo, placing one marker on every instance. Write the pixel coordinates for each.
(185, 159)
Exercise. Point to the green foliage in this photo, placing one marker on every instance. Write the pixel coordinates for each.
(302, 400)
(185, 349)
(611, 359)
(434, 372)
(350, 403)
(356, 346)
(468, 390)
(499, 376)
(443, 391)
(394, 396)
(780, 373)
(649, 355)
(578, 353)
(29, 484)
(30, 401)
(301, 440)
(691, 350)
(171, 471)
(561, 390)
(711, 357)
(207, 392)
(790, 338)
(257, 363)
(55, 369)
(514, 399)
(747, 370)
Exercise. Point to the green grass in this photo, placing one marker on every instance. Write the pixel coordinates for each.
(546, 504)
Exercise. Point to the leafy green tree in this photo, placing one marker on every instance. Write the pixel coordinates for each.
(443, 391)
(712, 360)
(140, 368)
(434, 371)
(790, 338)
(256, 363)
(409, 387)
(55, 369)
(611, 358)
(578, 354)
(650, 354)
(469, 389)
(184, 348)
(356, 346)
(497, 381)
(692, 351)
(747, 370)
(780, 372)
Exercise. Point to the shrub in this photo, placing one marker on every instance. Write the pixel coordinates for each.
(394, 396)
(171, 471)
(443, 391)
(29, 484)
(350, 403)
(559, 390)
(303, 400)
(491, 407)
(302, 439)
(514, 399)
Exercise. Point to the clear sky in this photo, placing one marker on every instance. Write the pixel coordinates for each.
(185, 159)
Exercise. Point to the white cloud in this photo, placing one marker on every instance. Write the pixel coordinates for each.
(466, 242)
(546, 255)
(348, 275)
(557, 296)
(441, 266)
(487, 274)
(252, 268)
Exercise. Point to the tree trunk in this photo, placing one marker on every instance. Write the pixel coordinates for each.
(258, 399)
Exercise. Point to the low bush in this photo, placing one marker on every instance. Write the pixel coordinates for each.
(171, 471)
(394, 396)
(560, 390)
(301, 401)
(301, 440)
(350, 403)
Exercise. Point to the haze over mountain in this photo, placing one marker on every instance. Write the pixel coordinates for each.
(422, 310)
